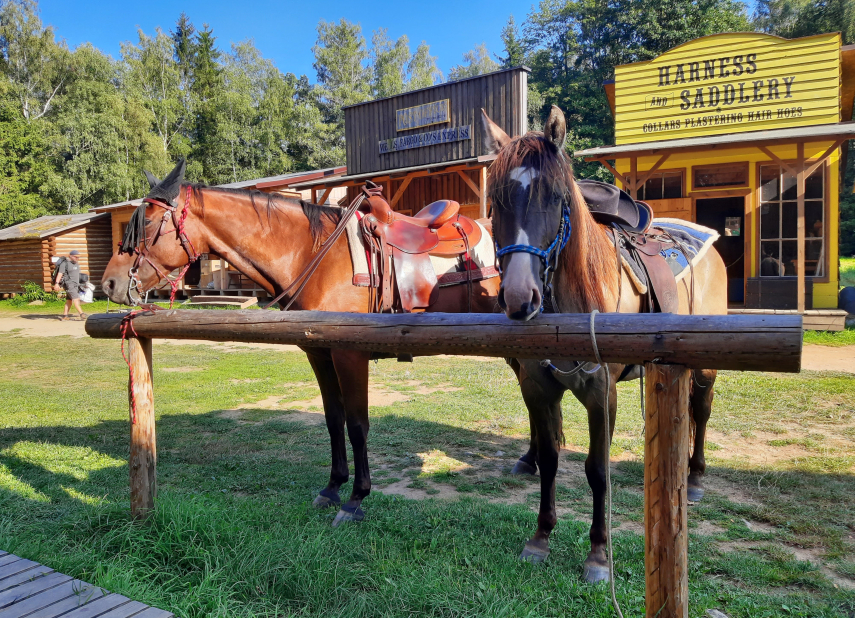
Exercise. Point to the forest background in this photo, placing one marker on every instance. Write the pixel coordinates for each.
(77, 127)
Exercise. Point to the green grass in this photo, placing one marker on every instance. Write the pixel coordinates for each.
(835, 339)
(847, 271)
(234, 533)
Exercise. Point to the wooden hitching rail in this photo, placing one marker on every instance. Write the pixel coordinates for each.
(666, 344)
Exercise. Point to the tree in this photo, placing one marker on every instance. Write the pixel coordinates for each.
(478, 62)
(515, 47)
(422, 69)
(35, 64)
(389, 62)
(797, 18)
(208, 86)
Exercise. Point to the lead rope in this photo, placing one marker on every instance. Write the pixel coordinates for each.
(608, 444)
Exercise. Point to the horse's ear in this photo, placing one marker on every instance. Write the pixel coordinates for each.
(152, 179)
(555, 128)
(494, 137)
(168, 188)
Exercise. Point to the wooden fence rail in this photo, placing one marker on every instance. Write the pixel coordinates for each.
(666, 344)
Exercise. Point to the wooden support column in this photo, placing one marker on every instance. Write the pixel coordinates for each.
(143, 458)
(633, 178)
(800, 225)
(222, 275)
(482, 185)
(666, 467)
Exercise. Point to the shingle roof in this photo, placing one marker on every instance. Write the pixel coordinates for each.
(48, 225)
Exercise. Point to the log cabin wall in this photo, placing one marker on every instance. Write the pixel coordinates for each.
(22, 260)
(502, 94)
(93, 241)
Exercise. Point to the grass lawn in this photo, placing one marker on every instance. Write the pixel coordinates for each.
(847, 271)
(242, 450)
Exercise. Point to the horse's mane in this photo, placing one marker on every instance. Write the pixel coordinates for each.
(587, 261)
(317, 214)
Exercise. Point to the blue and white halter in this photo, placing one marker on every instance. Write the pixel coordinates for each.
(548, 256)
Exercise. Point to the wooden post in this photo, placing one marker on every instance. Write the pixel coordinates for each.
(633, 178)
(143, 459)
(666, 467)
(482, 185)
(800, 226)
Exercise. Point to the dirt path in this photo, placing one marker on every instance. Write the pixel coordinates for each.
(814, 358)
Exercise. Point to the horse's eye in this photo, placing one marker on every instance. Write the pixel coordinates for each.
(147, 222)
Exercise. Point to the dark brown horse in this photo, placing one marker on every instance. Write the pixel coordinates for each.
(530, 186)
(270, 239)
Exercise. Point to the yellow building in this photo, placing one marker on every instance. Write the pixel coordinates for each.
(742, 132)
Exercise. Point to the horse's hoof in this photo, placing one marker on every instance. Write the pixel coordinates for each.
(694, 493)
(595, 573)
(326, 500)
(522, 467)
(534, 553)
(346, 514)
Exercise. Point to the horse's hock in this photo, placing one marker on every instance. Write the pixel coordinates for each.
(668, 345)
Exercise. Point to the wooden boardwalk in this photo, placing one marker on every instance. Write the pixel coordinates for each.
(31, 590)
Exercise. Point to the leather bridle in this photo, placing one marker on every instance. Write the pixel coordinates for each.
(171, 212)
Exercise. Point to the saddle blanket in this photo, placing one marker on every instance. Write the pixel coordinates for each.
(697, 240)
(449, 270)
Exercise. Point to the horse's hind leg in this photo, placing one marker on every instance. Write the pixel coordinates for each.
(352, 370)
(334, 414)
(701, 405)
(527, 464)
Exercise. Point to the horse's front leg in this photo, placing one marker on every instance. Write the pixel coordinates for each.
(542, 396)
(352, 371)
(701, 405)
(527, 464)
(591, 395)
(334, 414)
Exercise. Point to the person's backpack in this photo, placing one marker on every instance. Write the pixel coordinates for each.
(55, 272)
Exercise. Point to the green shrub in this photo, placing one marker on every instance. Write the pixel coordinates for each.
(33, 291)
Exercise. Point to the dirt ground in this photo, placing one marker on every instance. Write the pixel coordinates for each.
(814, 357)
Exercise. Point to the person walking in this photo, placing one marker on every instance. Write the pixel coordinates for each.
(68, 278)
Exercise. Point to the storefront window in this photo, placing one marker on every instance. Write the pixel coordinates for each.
(732, 175)
(778, 223)
(664, 185)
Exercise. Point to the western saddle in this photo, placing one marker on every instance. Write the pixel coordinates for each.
(400, 247)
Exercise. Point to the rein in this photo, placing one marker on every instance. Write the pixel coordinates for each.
(134, 283)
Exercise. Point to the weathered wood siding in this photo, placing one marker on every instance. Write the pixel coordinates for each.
(428, 189)
(23, 260)
(674, 208)
(94, 241)
(502, 94)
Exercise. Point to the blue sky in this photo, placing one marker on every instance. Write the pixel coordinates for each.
(285, 31)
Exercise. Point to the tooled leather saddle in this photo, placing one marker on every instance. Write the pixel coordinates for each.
(400, 247)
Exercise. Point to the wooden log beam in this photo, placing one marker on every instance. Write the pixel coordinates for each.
(143, 457)
(666, 465)
(741, 342)
(482, 195)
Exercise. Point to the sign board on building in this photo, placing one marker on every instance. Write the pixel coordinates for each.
(430, 138)
(422, 115)
(728, 83)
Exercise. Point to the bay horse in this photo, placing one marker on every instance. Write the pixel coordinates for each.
(531, 187)
(270, 239)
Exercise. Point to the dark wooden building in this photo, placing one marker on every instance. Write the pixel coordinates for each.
(428, 144)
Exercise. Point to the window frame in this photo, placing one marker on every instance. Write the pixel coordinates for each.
(660, 172)
(740, 165)
(826, 215)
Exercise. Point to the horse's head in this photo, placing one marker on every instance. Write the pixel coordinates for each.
(151, 246)
(529, 187)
